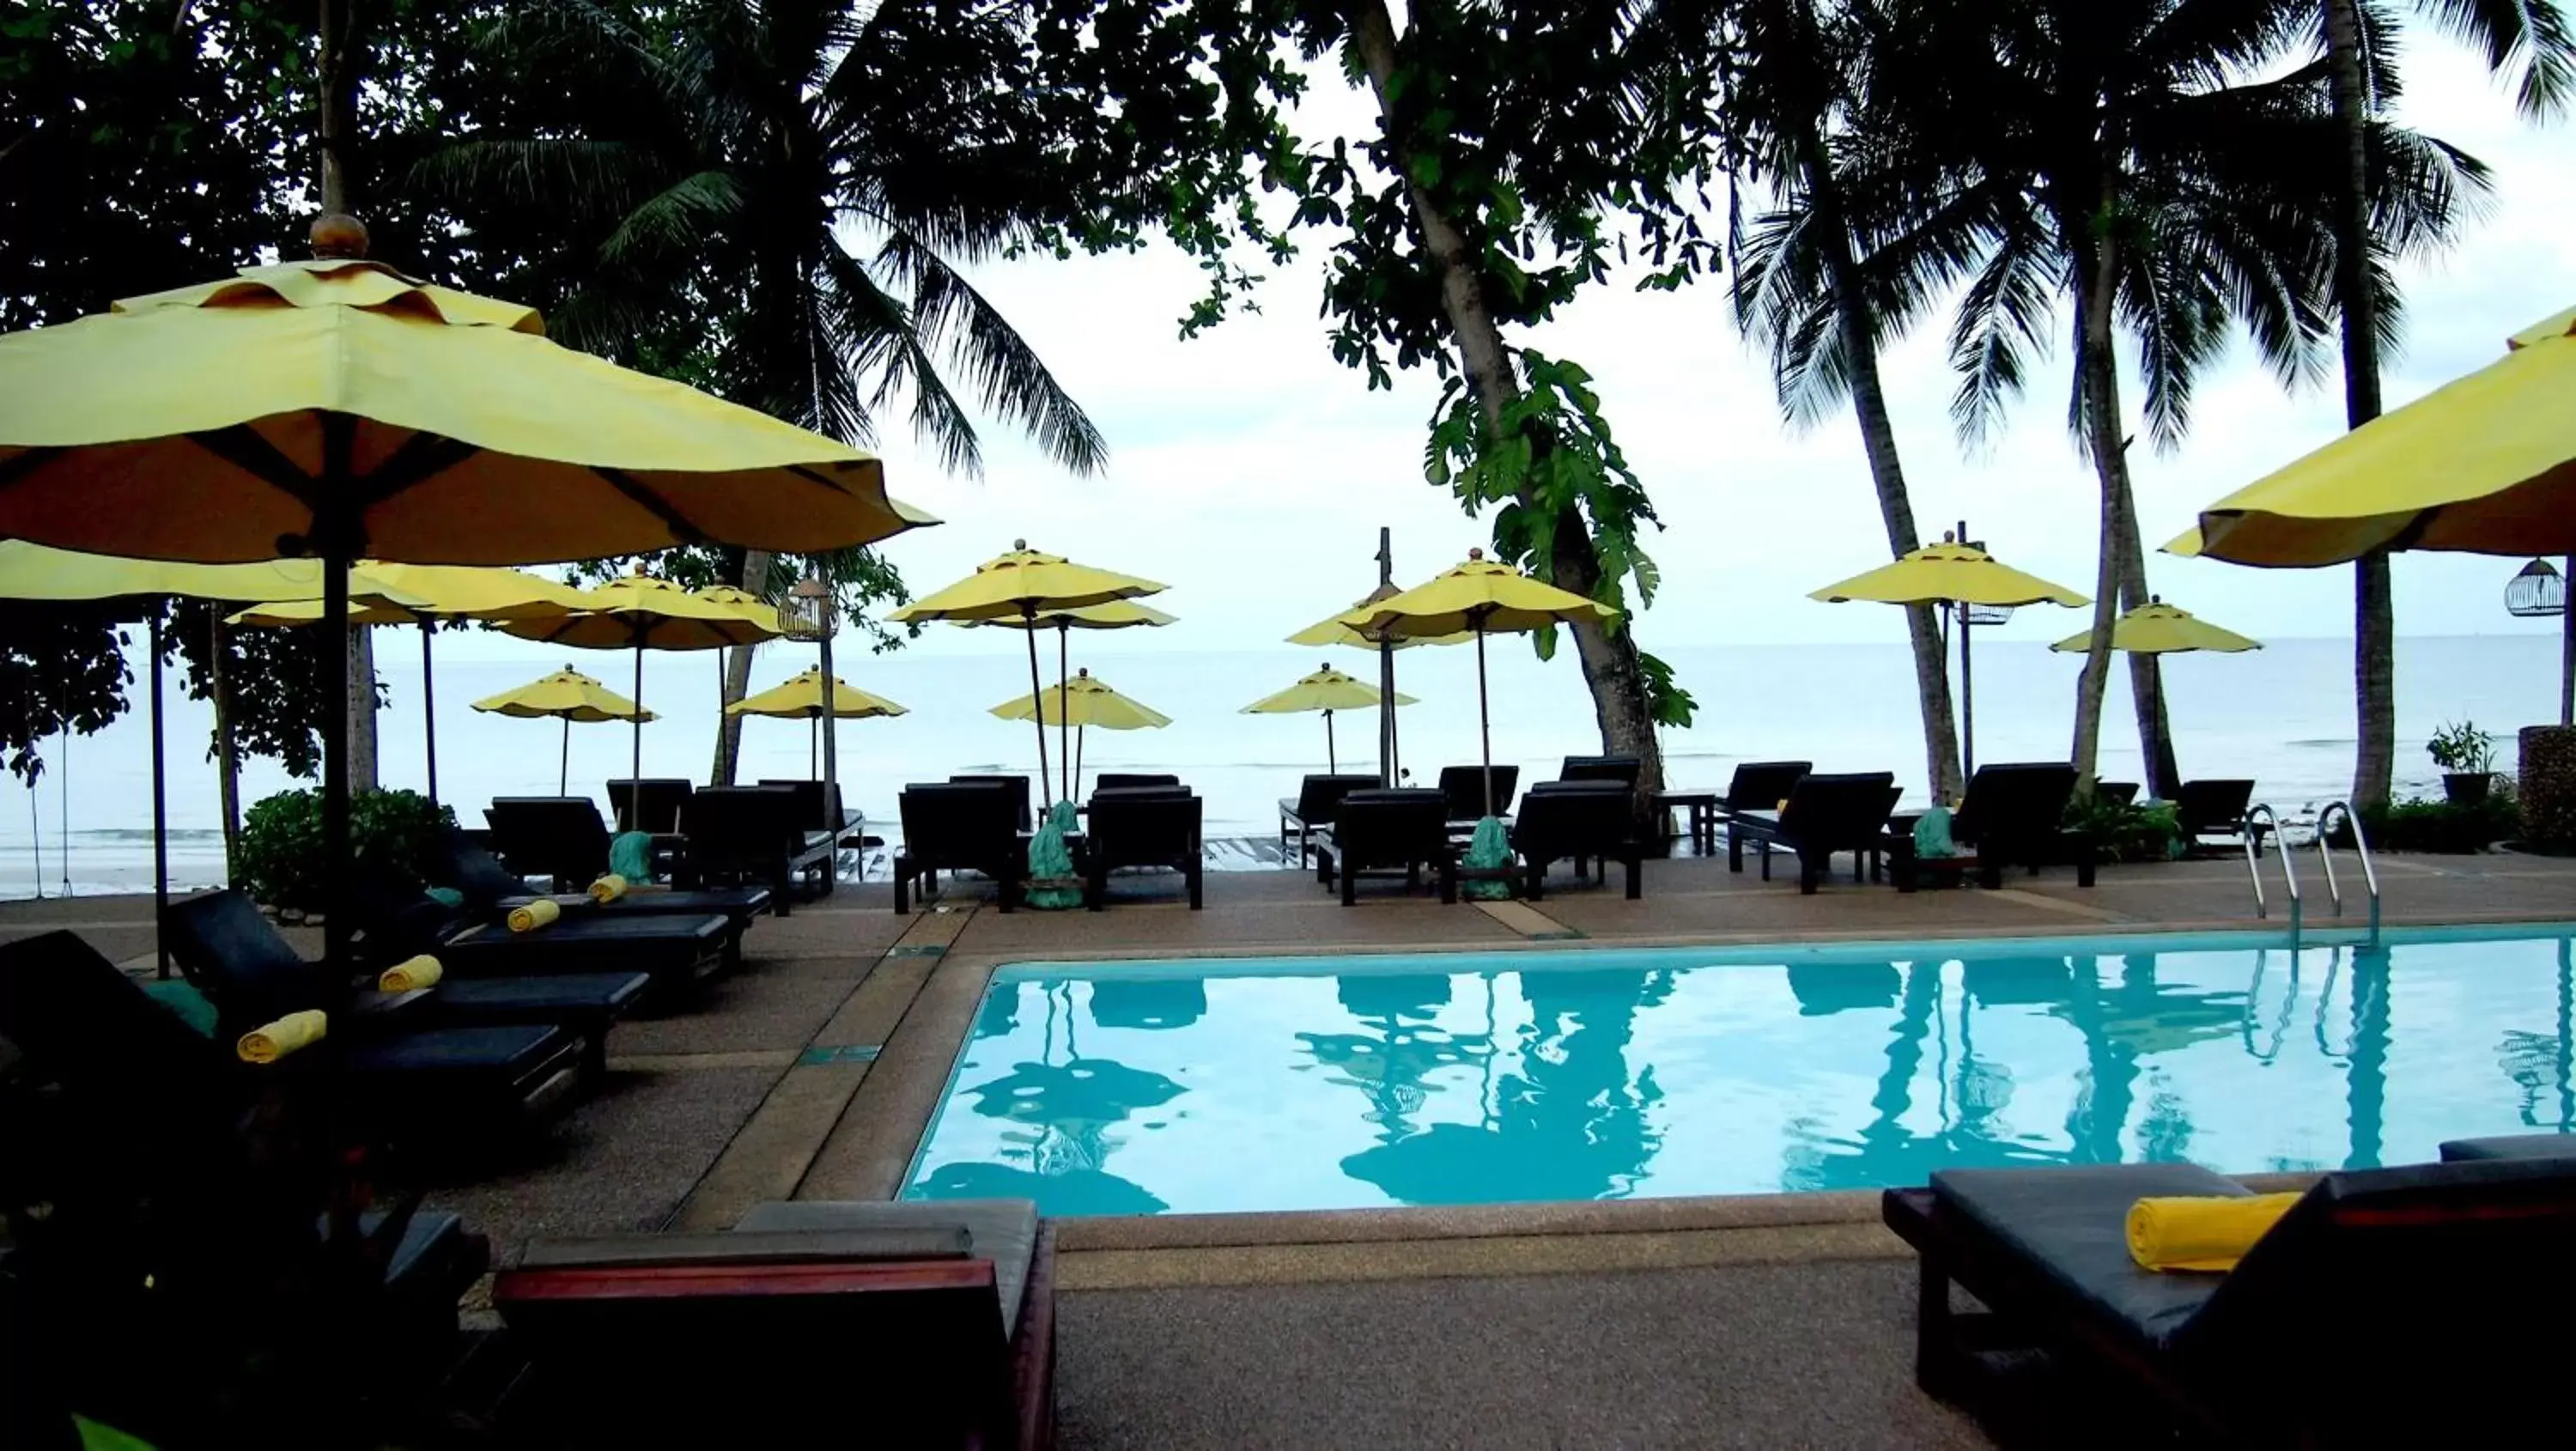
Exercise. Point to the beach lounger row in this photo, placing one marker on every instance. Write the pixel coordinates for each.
(1412, 832)
(769, 836)
(979, 824)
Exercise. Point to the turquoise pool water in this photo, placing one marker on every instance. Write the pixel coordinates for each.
(1306, 1083)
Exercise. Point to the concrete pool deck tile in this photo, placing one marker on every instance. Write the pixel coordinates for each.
(869, 1015)
(1465, 1221)
(1528, 921)
(769, 1157)
(699, 1062)
(868, 1149)
(759, 1007)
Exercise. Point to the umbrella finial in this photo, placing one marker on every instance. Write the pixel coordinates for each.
(1475, 552)
(1020, 546)
(337, 234)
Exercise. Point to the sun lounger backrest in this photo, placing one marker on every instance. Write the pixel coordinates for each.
(1463, 787)
(2413, 1275)
(813, 812)
(1392, 828)
(1121, 781)
(659, 804)
(81, 1022)
(557, 837)
(239, 960)
(2015, 810)
(1763, 785)
(476, 873)
(2212, 806)
(732, 828)
(1838, 812)
(1572, 818)
(1622, 769)
(1144, 826)
(2118, 793)
(1018, 787)
(965, 823)
(1317, 796)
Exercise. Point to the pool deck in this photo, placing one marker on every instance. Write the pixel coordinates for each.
(1769, 1320)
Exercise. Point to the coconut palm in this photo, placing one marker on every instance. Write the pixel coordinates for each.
(1799, 285)
(2120, 158)
(798, 182)
(2358, 39)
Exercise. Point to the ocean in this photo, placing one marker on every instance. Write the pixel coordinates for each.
(2282, 715)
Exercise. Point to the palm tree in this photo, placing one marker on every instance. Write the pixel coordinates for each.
(2359, 44)
(797, 182)
(1800, 287)
(2113, 154)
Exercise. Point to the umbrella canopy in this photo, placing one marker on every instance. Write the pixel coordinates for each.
(1332, 631)
(2157, 628)
(568, 696)
(1327, 690)
(462, 435)
(802, 699)
(1084, 701)
(1479, 597)
(2562, 325)
(2485, 464)
(1114, 615)
(338, 408)
(565, 695)
(1952, 573)
(1025, 584)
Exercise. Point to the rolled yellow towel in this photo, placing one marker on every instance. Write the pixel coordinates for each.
(2207, 1234)
(608, 888)
(411, 972)
(272, 1041)
(535, 915)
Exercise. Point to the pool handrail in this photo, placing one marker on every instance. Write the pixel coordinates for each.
(2360, 848)
(2254, 864)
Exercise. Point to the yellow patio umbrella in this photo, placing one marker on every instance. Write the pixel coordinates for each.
(638, 612)
(1332, 631)
(442, 591)
(1480, 597)
(338, 408)
(1953, 575)
(1327, 690)
(2548, 329)
(1082, 702)
(568, 696)
(801, 698)
(2157, 628)
(30, 571)
(1023, 585)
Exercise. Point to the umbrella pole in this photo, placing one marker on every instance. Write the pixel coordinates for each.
(336, 548)
(1386, 762)
(1064, 713)
(814, 747)
(1080, 737)
(563, 766)
(830, 723)
(1484, 716)
(2567, 654)
(635, 760)
(1967, 704)
(160, 806)
(428, 715)
(1332, 762)
(1037, 692)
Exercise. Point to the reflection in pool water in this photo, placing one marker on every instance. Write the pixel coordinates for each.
(1313, 1083)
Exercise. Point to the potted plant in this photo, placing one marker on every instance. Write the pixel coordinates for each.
(2467, 759)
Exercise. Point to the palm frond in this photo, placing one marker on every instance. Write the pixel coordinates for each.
(1006, 373)
(2533, 35)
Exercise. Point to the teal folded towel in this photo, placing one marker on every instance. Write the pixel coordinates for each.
(631, 856)
(447, 897)
(1932, 834)
(181, 997)
(1489, 850)
(1051, 860)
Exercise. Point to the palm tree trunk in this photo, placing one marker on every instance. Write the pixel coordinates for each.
(2098, 385)
(2146, 672)
(754, 578)
(339, 98)
(2374, 654)
(1886, 470)
(1610, 664)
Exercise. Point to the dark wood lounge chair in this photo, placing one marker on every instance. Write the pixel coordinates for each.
(2013, 815)
(407, 1068)
(755, 836)
(1132, 780)
(2388, 1307)
(1463, 788)
(159, 1187)
(1622, 769)
(558, 839)
(819, 812)
(2213, 808)
(1312, 808)
(931, 1324)
(962, 826)
(656, 804)
(1826, 814)
(253, 975)
(1762, 785)
(397, 918)
(491, 890)
(1142, 826)
(1019, 791)
(1384, 833)
(1578, 820)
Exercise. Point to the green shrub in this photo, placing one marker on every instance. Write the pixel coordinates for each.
(2441, 826)
(2139, 832)
(281, 841)
(2462, 750)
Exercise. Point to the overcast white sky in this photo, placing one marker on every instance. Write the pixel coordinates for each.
(1251, 473)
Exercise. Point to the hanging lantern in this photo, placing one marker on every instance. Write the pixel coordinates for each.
(1989, 614)
(2538, 592)
(806, 613)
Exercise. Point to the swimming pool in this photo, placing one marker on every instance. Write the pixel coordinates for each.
(1309, 1083)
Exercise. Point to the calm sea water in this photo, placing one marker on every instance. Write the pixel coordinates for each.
(2282, 716)
(1313, 1083)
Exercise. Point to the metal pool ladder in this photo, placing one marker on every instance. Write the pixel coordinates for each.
(2261, 818)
